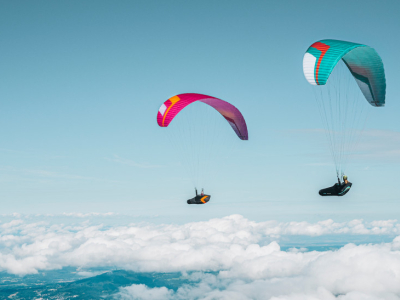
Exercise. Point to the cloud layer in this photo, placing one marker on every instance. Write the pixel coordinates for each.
(350, 273)
(245, 256)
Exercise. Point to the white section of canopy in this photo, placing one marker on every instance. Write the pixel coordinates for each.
(309, 68)
(162, 109)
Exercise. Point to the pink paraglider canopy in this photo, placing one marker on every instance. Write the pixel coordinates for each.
(170, 108)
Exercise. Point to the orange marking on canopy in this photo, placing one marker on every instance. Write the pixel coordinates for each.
(202, 199)
(173, 100)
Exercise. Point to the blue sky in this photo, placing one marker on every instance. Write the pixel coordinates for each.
(81, 82)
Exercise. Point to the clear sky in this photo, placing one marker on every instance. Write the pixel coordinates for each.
(81, 83)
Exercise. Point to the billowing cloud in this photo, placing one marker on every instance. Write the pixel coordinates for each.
(141, 291)
(245, 257)
(350, 273)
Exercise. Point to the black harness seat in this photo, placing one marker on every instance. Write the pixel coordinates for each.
(336, 190)
(199, 199)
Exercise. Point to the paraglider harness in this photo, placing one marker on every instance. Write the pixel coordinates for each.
(338, 189)
(199, 199)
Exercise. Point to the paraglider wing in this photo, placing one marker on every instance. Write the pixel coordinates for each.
(363, 62)
(170, 109)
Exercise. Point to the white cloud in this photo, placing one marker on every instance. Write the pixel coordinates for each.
(140, 291)
(12, 223)
(350, 273)
(347, 274)
(246, 256)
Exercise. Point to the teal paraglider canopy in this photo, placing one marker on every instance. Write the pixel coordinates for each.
(364, 63)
